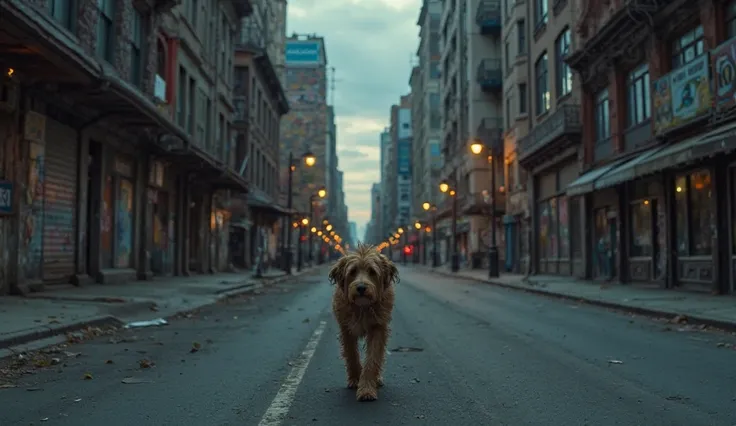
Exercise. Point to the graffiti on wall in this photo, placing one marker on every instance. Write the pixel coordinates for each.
(124, 225)
(32, 236)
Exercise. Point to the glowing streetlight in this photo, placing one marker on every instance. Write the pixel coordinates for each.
(444, 187)
(305, 221)
(313, 229)
(476, 147)
(322, 193)
(426, 206)
(418, 225)
(309, 159)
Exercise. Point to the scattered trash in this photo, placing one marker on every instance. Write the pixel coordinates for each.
(134, 381)
(87, 376)
(420, 416)
(45, 419)
(72, 354)
(149, 323)
(78, 400)
(407, 349)
(679, 319)
(7, 386)
(144, 363)
(34, 389)
(109, 361)
(196, 346)
(415, 380)
(615, 361)
(55, 361)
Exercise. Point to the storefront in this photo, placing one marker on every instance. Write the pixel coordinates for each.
(117, 222)
(646, 236)
(553, 211)
(161, 223)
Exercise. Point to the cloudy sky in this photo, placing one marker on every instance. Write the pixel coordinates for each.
(370, 43)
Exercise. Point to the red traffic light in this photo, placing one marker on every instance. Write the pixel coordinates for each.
(407, 249)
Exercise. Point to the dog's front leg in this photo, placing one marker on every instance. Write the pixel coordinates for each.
(371, 379)
(351, 354)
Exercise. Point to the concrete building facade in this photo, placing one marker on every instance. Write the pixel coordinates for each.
(472, 104)
(388, 188)
(119, 165)
(657, 197)
(260, 102)
(426, 109)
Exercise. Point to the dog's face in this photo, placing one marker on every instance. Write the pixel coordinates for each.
(364, 275)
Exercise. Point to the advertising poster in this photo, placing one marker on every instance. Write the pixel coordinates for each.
(682, 95)
(723, 59)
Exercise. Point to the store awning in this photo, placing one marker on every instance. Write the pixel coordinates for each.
(585, 183)
(714, 142)
(625, 171)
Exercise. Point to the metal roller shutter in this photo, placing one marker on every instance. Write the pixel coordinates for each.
(60, 203)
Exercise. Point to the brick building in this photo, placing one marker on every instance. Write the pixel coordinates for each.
(657, 117)
(115, 148)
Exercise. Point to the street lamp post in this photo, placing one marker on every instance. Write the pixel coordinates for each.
(454, 257)
(416, 255)
(309, 161)
(427, 207)
(493, 272)
(321, 193)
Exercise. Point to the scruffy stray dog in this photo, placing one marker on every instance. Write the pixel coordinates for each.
(362, 303)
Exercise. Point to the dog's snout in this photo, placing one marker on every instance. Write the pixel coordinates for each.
(361, 289)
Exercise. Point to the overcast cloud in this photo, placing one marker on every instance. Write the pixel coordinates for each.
(370, 44)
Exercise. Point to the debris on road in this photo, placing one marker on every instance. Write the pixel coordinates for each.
(407, 349)
(88, 376)
(134, 381)
(615, 361)
(144, 363)
(196, 346)
(148, 323)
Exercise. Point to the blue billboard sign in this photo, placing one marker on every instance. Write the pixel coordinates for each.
(303, 52)
(403, 155)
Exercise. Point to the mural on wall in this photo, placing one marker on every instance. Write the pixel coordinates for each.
(106, 219)
(124, 225)
(34, 213)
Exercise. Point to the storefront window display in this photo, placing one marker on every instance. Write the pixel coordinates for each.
(641, 229)
(602, 243)
(695, 214)
(554, 231)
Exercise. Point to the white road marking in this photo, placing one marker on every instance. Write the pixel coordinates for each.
(279, 408)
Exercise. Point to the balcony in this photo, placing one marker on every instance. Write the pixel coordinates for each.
(558, 132)
(479, 203)
(490, 132)
(490, 75)
(488, 17)
(250, 38)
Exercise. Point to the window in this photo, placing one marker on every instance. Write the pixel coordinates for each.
(521, 36)
(508, 112)
(136, 43)
(540, 73)
(695, 214)
(192, 94)
(105, 30)
(434, 69)
(522, 98)
(61, 11)
(688, 47)
(731, 20)
(181, 98)
(638, 95)
(507, 56)
(540, 12)
(641, 228)
(564, 73)
(602, 117)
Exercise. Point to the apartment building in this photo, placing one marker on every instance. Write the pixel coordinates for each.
(373, 234)
(657, 118)
(400, 173)
(542, 141)
(472, 112)
(137, 155)
(388, 187)
(260, 102)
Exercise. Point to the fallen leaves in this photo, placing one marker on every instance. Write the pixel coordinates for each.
(88, 376)
(196, 346)
(145, 364)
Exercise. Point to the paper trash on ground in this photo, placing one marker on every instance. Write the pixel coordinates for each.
(148, 323)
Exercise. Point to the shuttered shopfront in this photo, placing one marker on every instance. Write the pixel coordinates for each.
(59, 202)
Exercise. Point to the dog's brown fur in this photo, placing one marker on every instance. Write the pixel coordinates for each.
(370, 320)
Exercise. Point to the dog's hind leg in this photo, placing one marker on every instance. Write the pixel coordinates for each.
(351, 355)
(371, 378)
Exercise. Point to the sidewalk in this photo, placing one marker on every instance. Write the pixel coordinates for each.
(680, 306)
(44, 315)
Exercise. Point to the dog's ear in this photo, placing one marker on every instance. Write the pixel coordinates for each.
(337, 272)
(391, 273)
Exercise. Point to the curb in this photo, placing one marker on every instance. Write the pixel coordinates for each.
(649, 312)
(23, 338)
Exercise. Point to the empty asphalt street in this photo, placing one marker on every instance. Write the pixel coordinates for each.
(462, 354)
